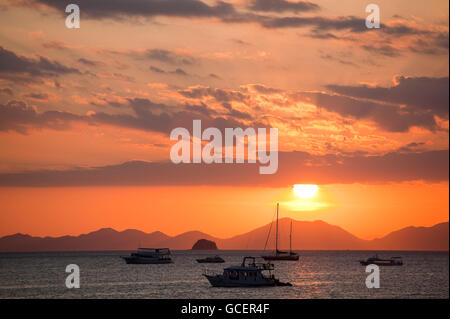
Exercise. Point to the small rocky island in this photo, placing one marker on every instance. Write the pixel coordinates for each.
(204, 244)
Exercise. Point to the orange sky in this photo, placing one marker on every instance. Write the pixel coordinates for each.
(366, 110)
(367, 211)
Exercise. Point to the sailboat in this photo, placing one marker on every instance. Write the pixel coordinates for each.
(282, 255)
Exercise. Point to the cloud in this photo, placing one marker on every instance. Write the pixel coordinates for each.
(88, 62)
(118, 76)
(317, 34)
(293, 168)
(382, 49)
(417, 93)
(102, 9)
(13, 66)
(177, 71)
(18, 116)
(349, 23)
(241, 42)
(214, 76)
(282, 6)
(37, 96)
(6, 91)
(240, 115)
(330, 57)
(156, 69)
(389, 117)
(147, 116)
(56, 45)
(168, 57)
(143, 104)
(388, 41)
(262, 89)
(413, 147)
(201, 108)
(411, 102)
(220, 95)
(226, 12)
(392, 39)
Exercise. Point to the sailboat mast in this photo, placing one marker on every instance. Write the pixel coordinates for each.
(290, 240)
(276, 236)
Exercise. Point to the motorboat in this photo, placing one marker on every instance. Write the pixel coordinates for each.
(211, 260)
(149, 256)
(248, 274)
(393, 261)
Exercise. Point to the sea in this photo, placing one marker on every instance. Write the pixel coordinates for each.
(317, 275)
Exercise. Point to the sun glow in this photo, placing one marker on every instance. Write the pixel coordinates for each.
(305, 191)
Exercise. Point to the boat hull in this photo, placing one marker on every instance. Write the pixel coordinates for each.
(202, 261)
(219, 281)
(142, 261)
(366, 263)
(288, 257)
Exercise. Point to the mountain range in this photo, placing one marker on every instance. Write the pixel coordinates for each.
(306, 235)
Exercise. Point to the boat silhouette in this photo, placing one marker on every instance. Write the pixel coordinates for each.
(211, 260)
(393, 261)
(248, 274)
(281, 255)
(149, 256)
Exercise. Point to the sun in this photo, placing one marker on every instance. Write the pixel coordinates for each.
(305, 190)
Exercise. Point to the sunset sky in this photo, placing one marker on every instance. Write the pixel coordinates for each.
(85, 114)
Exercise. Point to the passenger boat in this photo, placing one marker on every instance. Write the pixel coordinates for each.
(393, 261)
(248, 274)
(211, 260)
(281, 255)
(149, 256)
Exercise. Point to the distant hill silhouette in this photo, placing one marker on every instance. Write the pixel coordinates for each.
(306, 235)
(421, 238)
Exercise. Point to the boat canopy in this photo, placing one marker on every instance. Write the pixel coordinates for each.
(154, 249)
(249, 263)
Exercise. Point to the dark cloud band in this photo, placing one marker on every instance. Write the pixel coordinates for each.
(293, 168)
(12, 65)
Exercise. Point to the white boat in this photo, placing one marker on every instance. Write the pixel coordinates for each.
(248, 274)
(149, 256)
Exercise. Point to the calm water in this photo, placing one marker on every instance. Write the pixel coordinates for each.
(318, 274)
